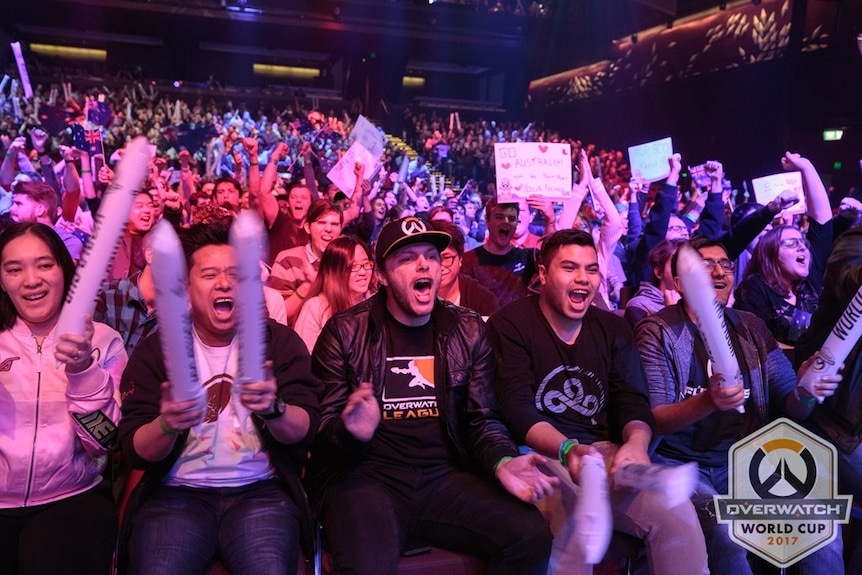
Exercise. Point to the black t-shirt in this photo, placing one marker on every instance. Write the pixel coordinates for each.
(507, 276)
(410, 431)
(588, 390)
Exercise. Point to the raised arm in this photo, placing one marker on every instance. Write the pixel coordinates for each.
(308, 171)
(9, 168)
(71, 182)
(815, 192)
(262, 200)
(187, 178)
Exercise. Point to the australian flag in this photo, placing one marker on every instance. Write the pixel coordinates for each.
(88, 138)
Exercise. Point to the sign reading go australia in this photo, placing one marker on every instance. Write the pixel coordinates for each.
(783, 504)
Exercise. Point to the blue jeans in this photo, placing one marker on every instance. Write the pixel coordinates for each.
(369, 513)
(179, 530)
(725, 555)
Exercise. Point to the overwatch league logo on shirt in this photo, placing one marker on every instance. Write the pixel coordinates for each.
(783, 504)
(408, 389)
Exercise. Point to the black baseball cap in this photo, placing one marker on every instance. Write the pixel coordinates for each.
(407, 231)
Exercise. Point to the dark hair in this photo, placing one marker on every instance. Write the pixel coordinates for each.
(297, 186)
(40, 193)
(334, 273)
(396, 212)
(8, 313)
(457, 241)
(764, 261)
(742, 211)
(228, 180)
(322, 207)
(197, 236)
(551, 244)
(437, 209)
(697, 244)
(659, 256)
(494, 204)
(844, 267)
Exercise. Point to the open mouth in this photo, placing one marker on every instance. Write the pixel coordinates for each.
(223, 305)
(802, 260)
(422, 287)
(35, 297)
(719, 285)
(578, 296)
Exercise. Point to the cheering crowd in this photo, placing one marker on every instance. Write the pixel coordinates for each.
(441, 365)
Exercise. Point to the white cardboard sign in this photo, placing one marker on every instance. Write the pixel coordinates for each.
(342, 174)
(649, 161)
(527, 168)
(767, 189)
(369, 136)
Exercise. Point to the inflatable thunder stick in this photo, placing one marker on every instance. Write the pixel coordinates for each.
(175, 318)
(841, 341)
(593, 520)
(700, 298)
(246, 238)
(675, 483)
(109, 226)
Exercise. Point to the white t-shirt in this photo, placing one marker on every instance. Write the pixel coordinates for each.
(225, 450)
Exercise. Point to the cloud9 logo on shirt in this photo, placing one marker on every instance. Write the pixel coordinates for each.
(568, 387)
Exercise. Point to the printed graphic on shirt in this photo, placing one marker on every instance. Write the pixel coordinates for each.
(6, 364)
(691, 391)
(218, 395)
(571, 388)
(408, 389)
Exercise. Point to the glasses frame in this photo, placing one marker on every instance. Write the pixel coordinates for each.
(726, 264)
(367, 266)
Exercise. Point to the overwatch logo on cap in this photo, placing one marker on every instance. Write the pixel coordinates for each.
(406, 231)
(412, 226)
(782, 504)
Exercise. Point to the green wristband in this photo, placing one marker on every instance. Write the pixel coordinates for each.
(565, 447)
(164, 427)
(502, 460)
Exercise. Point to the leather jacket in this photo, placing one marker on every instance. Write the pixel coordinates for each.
(352, 349)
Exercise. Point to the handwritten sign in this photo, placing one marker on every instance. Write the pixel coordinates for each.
(649, 161)
(767, 189)
(342, 173)
(369, 136)
(526, 168)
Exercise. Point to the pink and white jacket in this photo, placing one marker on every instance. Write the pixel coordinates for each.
(56, 429)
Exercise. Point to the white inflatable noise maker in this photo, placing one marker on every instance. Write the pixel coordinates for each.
(675, 483)
(841, 341)
(109, 227)
(247, 240)
(699, 295)
(594, 523)
(174, 313)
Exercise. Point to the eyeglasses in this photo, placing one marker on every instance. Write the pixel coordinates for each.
(725, 264)
(793, 243)
(367, 266)
(447, 260)
(677, 229)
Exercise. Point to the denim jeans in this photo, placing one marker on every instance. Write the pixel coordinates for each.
(369, 513)
(254, 529)
(725, 555)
